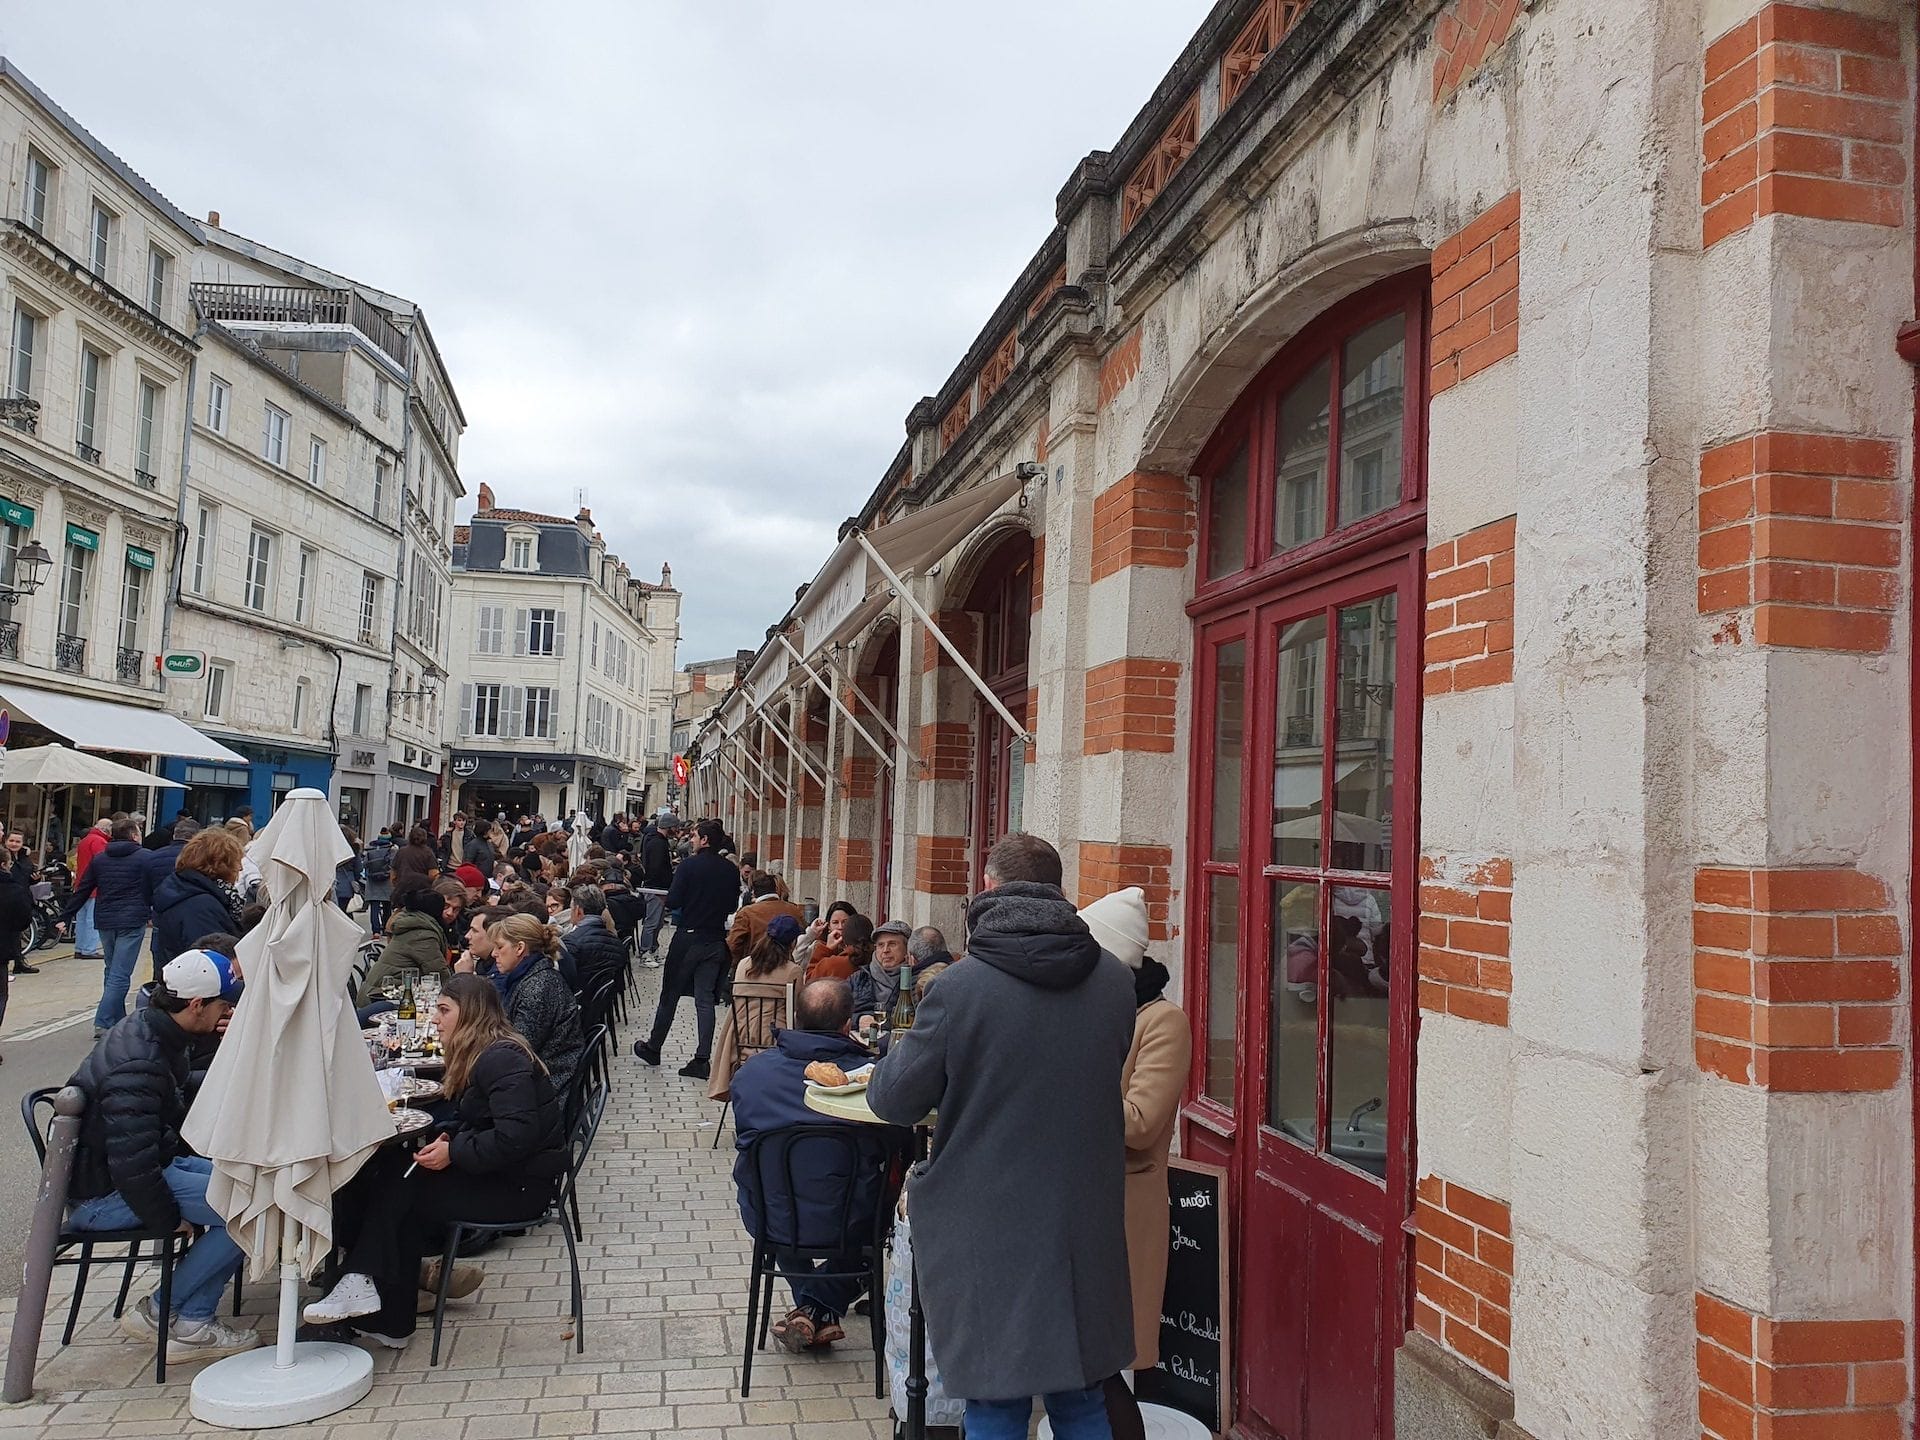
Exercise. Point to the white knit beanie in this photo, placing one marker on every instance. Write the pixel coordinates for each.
(1119, 922)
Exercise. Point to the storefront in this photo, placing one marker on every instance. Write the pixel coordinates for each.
(216, 792)
(414, 796)
(514, 785)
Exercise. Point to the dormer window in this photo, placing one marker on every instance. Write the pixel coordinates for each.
(520, 552)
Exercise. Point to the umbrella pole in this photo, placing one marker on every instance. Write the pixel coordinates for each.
(289, 1296)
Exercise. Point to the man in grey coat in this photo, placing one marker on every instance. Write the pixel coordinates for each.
(1019, 1228)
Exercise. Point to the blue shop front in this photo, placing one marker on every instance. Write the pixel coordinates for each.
(216, 791)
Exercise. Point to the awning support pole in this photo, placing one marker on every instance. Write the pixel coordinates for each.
(799, 751)
(899, 588)
(886, 756)
(754, 760)
(887, 725)
(745, 786)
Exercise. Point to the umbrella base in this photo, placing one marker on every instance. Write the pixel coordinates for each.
(251, 1391)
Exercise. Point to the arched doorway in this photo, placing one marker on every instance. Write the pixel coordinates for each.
(1302, 884)
(1002, 598)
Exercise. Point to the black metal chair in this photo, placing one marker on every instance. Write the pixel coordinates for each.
(758, 1008)
(827, 1227)
(171, 1245)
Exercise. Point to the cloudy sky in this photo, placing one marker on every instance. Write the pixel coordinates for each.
(695, 258)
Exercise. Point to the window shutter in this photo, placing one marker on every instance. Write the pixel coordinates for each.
(466, 709)
(519, 631)
(559, 632)
(515, 700)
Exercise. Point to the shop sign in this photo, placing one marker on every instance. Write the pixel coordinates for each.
(16, 514)
(465, 767)
(81, 536)
(184, 662)
(138, 558)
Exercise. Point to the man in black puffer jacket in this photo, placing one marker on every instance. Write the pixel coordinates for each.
(131, 1170)
(597, 953)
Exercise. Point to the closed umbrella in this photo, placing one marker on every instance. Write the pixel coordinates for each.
(289, 1112)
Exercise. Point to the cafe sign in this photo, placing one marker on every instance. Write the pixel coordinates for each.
(184, 662)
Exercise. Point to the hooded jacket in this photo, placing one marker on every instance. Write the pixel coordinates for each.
(547, 1016)
(596, 952)
(118, 883)
(136, 1087)
(1020, 1048)
(415, 940)
(187, 905)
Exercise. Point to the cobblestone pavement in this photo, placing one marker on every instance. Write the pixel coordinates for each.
(664, 1263)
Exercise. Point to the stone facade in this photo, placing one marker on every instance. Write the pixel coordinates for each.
(1621, 950)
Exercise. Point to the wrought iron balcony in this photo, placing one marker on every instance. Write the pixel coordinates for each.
(9, 639)
(129, 665)
(70, 654)
(146, 479)
(1299, 731)
(86, 452)
(300, 305)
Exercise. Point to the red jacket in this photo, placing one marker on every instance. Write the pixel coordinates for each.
(91, 844)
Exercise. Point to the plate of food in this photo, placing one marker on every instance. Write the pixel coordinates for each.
(826, 1078)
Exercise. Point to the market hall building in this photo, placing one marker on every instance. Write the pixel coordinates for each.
(1434, 513)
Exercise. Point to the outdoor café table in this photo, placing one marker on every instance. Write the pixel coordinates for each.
(854, 1107)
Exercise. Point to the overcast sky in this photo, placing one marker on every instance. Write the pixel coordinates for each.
(695, 259)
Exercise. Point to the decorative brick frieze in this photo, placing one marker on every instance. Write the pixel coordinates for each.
(946, 749)
(1130, 706)
(1469, 640)
(956, 418)
(1805, 530)
(1168, 154)
(940, 865)
(1105, 868)
(1119, 368)
(1476, 296)
(1803, 111)
(1268, 27)
(1463, 1273)
(1054, 284)
(1144, 519)
(1467, 32)
(853, 858)
(1466, 919)
(1768, 1379)
(998, 367)
(1796, 979)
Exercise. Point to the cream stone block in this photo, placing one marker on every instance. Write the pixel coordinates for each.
(1464, 1111)
(1467, 793)
(1596, 1151)
(1733, 1252)
(1825, 278)
(1473, 452)
(1837, 761)
(1139, 610)
(1580, 749)
(1730, 753)
(1840, 1193)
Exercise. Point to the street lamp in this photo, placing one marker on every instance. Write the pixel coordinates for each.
(30, 567)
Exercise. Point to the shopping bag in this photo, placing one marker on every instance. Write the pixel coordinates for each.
(940, 1409)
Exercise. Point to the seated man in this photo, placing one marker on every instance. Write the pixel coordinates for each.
(769, 1094)
(750, 921)
(131, 1170)
(591, 949)
(877, 986)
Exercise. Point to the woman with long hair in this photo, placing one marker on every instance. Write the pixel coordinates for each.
(499, 1165)
(535, 995)
(770, 962)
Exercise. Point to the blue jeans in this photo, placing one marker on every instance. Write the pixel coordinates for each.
(210, 1262)
(1076, 1415)
(86, 939)
(828, 1299)
(122, 950)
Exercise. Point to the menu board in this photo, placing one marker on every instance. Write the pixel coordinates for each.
(1194, 1372)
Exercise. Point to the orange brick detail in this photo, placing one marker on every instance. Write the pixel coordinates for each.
(1837, 1379)
(1145, 519)
(957, 625)
(810, 791)
(1466, 918)
(1804, 530)
(1467, 32)
(1250, 48)
(1463, 1272)
(1105, 868)
(857, 774)
(1032, 719)
(1796, 979)
(853, 858)
(1169, 153)
(1802, 112)
(1119, 368)
(1469, 640)
(957, 418)
(940, 865)
(808, 853)
(776, 848)
(1130, 706)
(998, 367)
(946, 747)
(1476, 295)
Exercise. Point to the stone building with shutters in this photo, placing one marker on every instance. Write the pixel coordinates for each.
(563, 664)
(1434, 513)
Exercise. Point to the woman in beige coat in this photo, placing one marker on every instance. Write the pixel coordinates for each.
(1153, 1082)
(771, 962)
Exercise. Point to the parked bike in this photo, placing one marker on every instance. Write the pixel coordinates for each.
(52, 884)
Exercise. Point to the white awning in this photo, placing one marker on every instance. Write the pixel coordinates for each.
(102, 725)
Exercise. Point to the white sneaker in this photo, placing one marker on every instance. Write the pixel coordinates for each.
(207, 1338)
(354, 1295)
(392, 1342)
(137, 1320)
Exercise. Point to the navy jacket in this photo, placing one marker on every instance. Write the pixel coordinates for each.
(596, 952)
(769, 1093)
(705, 890)
(186, 906)
(119, 884)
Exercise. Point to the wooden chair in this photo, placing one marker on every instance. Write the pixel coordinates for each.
(759, 1008)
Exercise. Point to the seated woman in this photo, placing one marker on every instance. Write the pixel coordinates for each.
(824, 932)
(199, 897)
(845, 951)
(416, 937)
(771, 962)
(536, 998)
(498, 1163)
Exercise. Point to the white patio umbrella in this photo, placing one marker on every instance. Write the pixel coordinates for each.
(289, 1112)
(58, 765)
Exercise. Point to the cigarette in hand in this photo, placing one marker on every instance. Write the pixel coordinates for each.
(410, 1169)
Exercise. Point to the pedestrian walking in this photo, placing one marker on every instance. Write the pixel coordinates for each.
(379, 872)
(656, 877)
(86, 935)
(416, 865)
(120, 879)
(702, 897)
(1021, 1050)
(16, 908)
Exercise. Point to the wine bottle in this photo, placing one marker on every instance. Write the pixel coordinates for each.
(904, 1005)
(407, 1016)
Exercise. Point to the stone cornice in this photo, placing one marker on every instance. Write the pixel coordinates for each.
(52, 264)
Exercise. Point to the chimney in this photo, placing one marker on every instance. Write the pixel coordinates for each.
(486, 498)
(213, 218)
(666, 577)
(585, 517)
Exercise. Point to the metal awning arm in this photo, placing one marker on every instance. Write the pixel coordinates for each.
(765, 774)
(826, 688)
(799, 751)
(899, 588)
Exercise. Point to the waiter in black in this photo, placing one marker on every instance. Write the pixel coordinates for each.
(705, 889)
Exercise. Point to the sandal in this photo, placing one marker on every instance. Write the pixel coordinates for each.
(796, 1333)
(826, 1333)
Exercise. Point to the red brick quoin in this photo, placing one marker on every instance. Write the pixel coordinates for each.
(1130, 706)
(1476, 296)
(1796, 979)
(1467, 32)
(1145, 519)
(1470, 610)
(1797, 1379)
(1803, 112)
(1463, 1273)
(1466, 917)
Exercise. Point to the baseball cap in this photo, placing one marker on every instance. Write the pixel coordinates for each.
(783, 929)
(895, 927)
(201, 975)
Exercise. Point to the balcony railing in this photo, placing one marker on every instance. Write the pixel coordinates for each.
(70, 654)
(86, 452)
(146, 479)
(300, 305)
(9, 639)
(129, 665)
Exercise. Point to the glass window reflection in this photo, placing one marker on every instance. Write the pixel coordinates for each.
(1300, 460)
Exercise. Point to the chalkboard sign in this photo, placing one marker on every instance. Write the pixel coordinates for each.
(1195, 1370)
